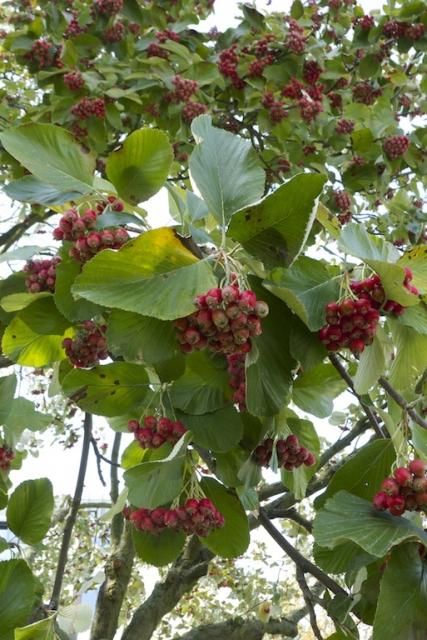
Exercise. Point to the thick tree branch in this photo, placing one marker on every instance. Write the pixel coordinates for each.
(242, 629)
(71, 519)
(400, 400)
(12, 235)
(366, 408)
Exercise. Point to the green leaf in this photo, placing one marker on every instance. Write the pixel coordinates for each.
(315, 390)
(356, 241)
(160, 549)
(140, 167)
(402, 603)
(225, 169)
(416, 318)
(16, 596)
(276, 229)
(233, 538)
(342, 558)
(416, 260)
(369, 66)
(29, 510)
(34, 337)
(154, 275)
(22, 253)
(269, 365)
(392, 277)
(42, 630)
(18, 301)
(306, 287)
(298, 479)
(74, 309)
(152, 484)
(219, 430)
(363, 473)
(108, 390)
(7, 392)
(52, 155)
(23, 415)
(349, 518)
(204, 385)
(411, 356)
(371, 366)
(33, 190)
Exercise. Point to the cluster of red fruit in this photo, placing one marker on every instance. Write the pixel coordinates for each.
(295, 40)
(290, 453)
(44, 54)
(193, 109)
(74, 80)
(89, 345)
(41, 275)
(87, 107)
(398, 29)
(396, 146)
(6, 457)
(276, 108)
(227, 65)
(371, 289)
(108, 7)
(237, 381)
(406, 490)
(196, 516)
(114, 33)
(74, 28)
(343, 203)
(344, 126)
(184, 89)
(364, 93)
(349, 323)
(226, 320)
(154, 432)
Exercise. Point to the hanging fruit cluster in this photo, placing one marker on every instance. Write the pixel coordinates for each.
(154, 432)
(196, 516)
(226, 320)
(405, 490)
(6, 457)
(41, 275)
(290, 453)
(371, 289)
(89, 345)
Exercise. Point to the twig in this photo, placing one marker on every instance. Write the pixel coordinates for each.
(308, 599)
(305, 565)
(366, 408)
(100, 457)
(400, 400)
(71, 519)
(117, 523)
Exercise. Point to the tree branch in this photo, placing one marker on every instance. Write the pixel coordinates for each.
(400, 400)
(242, 629)
(71, 519)
(9, 237)
(308, 599)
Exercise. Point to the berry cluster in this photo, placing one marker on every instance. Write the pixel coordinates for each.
(349, 323)
(72, 226)
(293, 89)
(6, 457)
(43, 54)
(74, 80)
(87, 107)
(108, 7)
(86, 247)
(79, 132)
(309, 108)
(395, 146)
(364, 93)
(154, 49)
(290, 453)
(193, 109)
(342, 200)
(396, 29)
(114, 33)
(41, 275)
(184, 89)
(406, 490)
(73, 29)
(311, 71)
(371, 289)
(154, 432)
(295, 40)
(89, 345)
(196, 516)
(365, 22)
(237, 381)
(344, 126)
(227, 65)
(226, 320)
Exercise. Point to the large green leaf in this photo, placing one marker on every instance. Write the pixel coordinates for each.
(402, 603)
(34, 337)
(298, 479)
(225, 169)
(152, 484)
(269, 365)
(411, 356)
(276, 229)
(74, 309)
(342, 558)
(160, 549)
(392, 277)
(33, 190)
(52, 155)
(16, 596)
(315, 390)
(306, 287)
(7, 391)
(29, 510)
(356, 241)
(108, 390)
(349, 518)
(203, 387)
(154, 275)
(416, 260)
(233, 538)
(140, 167)
(372, 363)
(363, 473)
(23, 415)
(42, 630)
(219, 430)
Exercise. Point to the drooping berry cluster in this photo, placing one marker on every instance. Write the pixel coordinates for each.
(344, 126)
(397, 29)
(88, 346)
(405, 490)
(372, 290)
(72, 226)
(87, 107)
(237, 380)
(256, 67)
(290, 453)
(44, 54)
(114, 33)
(227, 65)
(108, 7)
(41, 275)
(168, 34)
(196, 516)
(226, 320)
(396, 146)
(311, 71)
(349, 324)
(154, 49)
(295, 40)
(184, 89)
(74, 80)
(365, 22)
(74, 28)
(6, 457)
(193, 109)
(154, 432)
(86, 247)
(365, 93)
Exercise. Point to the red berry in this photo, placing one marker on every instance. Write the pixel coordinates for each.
(417, 468)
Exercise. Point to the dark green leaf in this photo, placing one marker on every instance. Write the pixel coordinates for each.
(315, 390)
(16, 596)
(160, 549)
(29, 510)
(152, 484)
(219, 431)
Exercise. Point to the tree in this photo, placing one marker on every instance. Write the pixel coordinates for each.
(293, 152)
